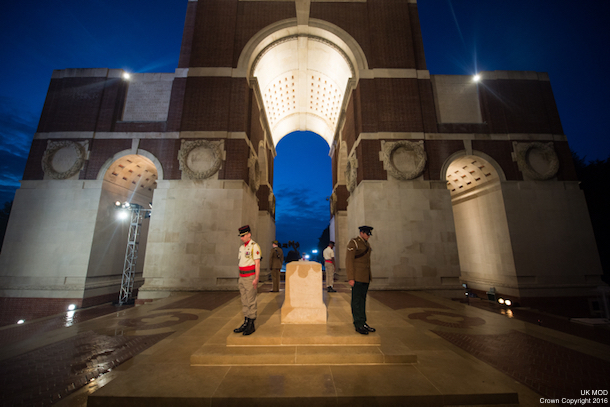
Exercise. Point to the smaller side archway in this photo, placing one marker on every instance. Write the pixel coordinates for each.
(126, 177)
(482, 232)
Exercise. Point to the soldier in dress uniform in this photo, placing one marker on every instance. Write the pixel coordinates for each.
(358, 268)
(249, 271)
(276, 259)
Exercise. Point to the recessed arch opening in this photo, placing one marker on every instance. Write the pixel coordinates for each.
(481, 226)
(126, 177)
(302, 187)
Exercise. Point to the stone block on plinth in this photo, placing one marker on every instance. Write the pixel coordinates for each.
(303, 302)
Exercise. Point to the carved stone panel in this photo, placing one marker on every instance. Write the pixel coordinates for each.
(64, 159)
(254, 171)
(404, 160)
(200, 159)
(537, 161)
(351, 173)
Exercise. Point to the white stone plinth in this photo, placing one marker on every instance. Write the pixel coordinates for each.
(303, 303)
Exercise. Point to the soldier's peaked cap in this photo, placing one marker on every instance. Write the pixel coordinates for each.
(244, 229)
(366, 229)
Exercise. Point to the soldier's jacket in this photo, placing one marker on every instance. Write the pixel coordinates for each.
(358, 260)
(276, 258)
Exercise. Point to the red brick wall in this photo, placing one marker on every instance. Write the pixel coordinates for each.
(215, 104)
(174, 114)
(166, 151)
(381, 27)
(236, 164)
(418, 41)
(438, 151)
(72, 104)
(187, 35)
(501, 151)
(349, 131)
(33, 167)
(351, 17)
(253, 17)
(427, 104)
(394, 104)
(101, 151)
(214, 33)
(519, 106)
(255, 129)
(113, 102)
(566, 172)
(369, 165)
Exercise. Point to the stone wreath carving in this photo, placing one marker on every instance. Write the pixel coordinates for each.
(389, 157)
(333, 204)
(547, 153)
(53, 147)
(254, 173)
(351, 173)
(211, 163)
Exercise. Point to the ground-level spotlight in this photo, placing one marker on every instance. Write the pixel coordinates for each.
(71, 307)
(508, 302)
(21, 321)
(501, 300)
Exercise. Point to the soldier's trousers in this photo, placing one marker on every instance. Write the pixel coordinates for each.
(359, 291)
(275, 276)
(330, 274)
(248, 296)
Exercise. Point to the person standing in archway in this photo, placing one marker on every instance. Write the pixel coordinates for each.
(329, 264)
(358, 268)
(249, 271)
(276, 259)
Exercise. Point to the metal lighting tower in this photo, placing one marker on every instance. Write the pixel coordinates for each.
(136, 214)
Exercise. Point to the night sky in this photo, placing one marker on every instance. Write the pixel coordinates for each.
(567, 39)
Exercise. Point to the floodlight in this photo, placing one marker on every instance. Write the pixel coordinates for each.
(508, 303)
(117, 203)
(476, 78)
(21, 321)
(122, 214)
(314, 251)
(501, 300)
(71, 307)
(126, 76)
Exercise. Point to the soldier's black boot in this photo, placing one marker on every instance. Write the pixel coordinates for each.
(250, 327)
(242, 327)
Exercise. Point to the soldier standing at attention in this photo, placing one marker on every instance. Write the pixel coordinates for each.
(358, 267)
(249, 272)
(329, 263)
(276, 259)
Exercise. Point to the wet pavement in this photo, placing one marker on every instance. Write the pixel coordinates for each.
(61, 360)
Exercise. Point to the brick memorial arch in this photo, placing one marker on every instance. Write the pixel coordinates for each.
(463, 182)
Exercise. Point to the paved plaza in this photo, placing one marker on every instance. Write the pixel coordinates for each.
(181, 351)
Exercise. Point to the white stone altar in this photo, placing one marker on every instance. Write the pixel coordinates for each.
(303, 303)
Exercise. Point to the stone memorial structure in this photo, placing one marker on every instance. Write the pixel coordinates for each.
(303, 302)
(464, 182)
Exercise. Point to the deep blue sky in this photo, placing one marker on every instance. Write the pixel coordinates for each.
(567, 39)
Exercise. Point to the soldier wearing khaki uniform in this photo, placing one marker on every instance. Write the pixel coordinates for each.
(276, 259)
(249, 272)
(358, 268)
